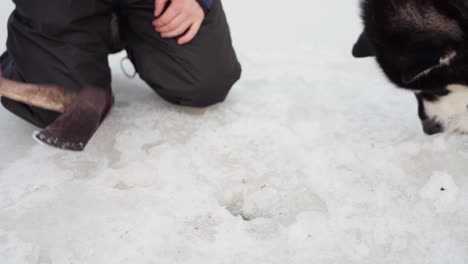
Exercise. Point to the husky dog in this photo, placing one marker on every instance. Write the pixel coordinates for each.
(422, 46)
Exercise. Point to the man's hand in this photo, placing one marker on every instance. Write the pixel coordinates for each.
(181, 16)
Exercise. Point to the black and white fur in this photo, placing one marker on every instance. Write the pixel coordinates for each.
(422, 46)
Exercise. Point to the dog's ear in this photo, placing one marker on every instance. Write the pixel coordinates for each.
(461, 6)
(363, 47)
(426, 66)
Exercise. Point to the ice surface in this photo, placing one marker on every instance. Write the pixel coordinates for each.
(315, 158)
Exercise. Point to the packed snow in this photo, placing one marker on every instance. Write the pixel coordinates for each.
(314, 158)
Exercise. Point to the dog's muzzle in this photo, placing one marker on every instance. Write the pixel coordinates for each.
(432, 127)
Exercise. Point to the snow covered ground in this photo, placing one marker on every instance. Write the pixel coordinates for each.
(315, 158)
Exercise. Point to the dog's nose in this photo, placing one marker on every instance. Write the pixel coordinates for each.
(432, 127)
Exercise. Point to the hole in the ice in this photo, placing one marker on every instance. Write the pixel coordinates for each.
(122, 186)
(271, 203)
(234, 211)
(442, 189)
(247, 218)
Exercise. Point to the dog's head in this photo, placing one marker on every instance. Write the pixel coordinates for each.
(421, 45)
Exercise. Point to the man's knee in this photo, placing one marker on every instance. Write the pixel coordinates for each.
(202, 92)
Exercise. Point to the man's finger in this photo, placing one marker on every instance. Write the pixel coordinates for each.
(167, 17)
(190, 34)
(159, 6)
(175, 23)
(177, 32)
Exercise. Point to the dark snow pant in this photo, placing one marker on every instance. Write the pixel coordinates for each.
(67, 42)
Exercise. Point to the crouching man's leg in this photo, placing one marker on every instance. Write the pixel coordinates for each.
(197, 74)
(36, 116)
(56, 42)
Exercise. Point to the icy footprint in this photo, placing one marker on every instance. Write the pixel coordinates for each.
(442, 191)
